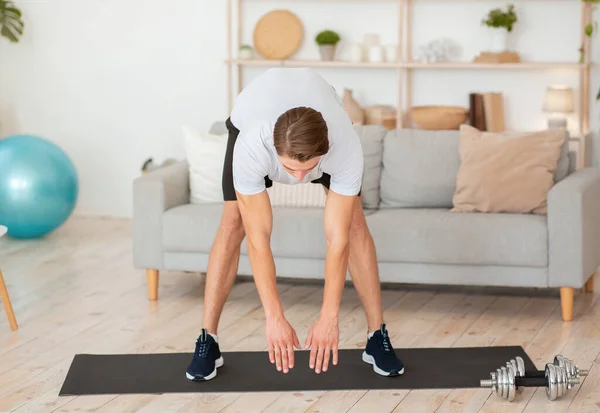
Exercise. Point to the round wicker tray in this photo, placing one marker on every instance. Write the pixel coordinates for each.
(278, 34)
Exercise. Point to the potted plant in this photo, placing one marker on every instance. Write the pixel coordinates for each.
(11, 24)
(501, 23)
(327, 41)
(246, 52)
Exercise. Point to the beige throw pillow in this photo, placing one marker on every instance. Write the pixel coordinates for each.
(506, 173)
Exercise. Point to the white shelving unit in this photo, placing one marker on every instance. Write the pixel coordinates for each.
(407, 64)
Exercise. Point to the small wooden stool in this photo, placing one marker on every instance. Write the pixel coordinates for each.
(4, 294)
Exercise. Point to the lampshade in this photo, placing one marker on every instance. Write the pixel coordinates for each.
(559, 99)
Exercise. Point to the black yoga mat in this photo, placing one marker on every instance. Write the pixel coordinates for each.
(425, 368)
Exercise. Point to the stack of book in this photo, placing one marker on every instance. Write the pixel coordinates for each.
(486, 111)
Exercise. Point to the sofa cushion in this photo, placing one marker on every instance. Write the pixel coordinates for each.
(204, 153)
(506, 174)
(371, 138)
(435, 236)
(439, 236)
(302, 195)
(191, 227)
(419, 168)
(297, 232)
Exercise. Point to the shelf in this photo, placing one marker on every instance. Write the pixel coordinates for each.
(313, 63)
(496, 66)
(410, 65)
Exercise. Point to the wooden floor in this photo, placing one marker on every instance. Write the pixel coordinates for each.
(77, 292)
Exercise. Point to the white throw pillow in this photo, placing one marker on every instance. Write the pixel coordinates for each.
(306, 195)
(205, 154)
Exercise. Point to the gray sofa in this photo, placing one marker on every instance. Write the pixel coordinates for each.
(407, 193)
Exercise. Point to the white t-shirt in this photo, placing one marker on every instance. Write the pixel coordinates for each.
(255, 112)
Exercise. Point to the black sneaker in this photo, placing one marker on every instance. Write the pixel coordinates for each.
(207, 358)
(380, 354)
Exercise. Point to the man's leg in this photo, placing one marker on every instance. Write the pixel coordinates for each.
(364, 271)
(222, 265)
(362, 264)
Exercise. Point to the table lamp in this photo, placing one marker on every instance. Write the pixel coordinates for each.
(558, 101)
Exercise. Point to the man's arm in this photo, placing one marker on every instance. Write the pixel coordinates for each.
(257, 217)
(342, 198)
(339, 210)
(347, 163)
(323, 337)
(249, 167)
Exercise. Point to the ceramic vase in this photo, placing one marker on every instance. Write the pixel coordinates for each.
(376, 54)
(498, 39)
(357, 53)
(352, 108)
(371, 39)
(327, 52)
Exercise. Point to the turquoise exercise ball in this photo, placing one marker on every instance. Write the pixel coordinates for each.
(38, 186)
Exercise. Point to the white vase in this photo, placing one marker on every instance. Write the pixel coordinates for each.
(375, 54)
(498, 39)
(371, 39)
(357, 53)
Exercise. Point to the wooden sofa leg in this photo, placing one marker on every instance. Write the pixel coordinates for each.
(152, 276)
(566, 302)
(589, 285)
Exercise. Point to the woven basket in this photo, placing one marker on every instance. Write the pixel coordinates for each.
(278, 34)
(439, 117)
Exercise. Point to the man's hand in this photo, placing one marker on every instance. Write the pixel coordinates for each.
(323, 339)
(281, 339)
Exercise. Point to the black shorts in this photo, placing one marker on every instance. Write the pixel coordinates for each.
(228, 188)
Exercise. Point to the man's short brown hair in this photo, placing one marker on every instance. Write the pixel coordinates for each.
(301, 134)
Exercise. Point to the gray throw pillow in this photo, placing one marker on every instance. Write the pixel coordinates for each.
(371, 139)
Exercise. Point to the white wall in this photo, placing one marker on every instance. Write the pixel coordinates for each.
(112, 81)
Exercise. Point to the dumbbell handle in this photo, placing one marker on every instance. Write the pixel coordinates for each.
(521, 382)
(542, 373)
(529, 374)
(535, 373)
(531, 381)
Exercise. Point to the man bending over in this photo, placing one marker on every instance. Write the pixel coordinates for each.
(288, 126)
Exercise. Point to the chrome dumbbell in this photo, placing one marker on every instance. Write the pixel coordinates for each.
(511, 379)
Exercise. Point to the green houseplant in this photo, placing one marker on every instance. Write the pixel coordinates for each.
(327, 41)
(245, 52)
(11, 23)
(501, 23)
